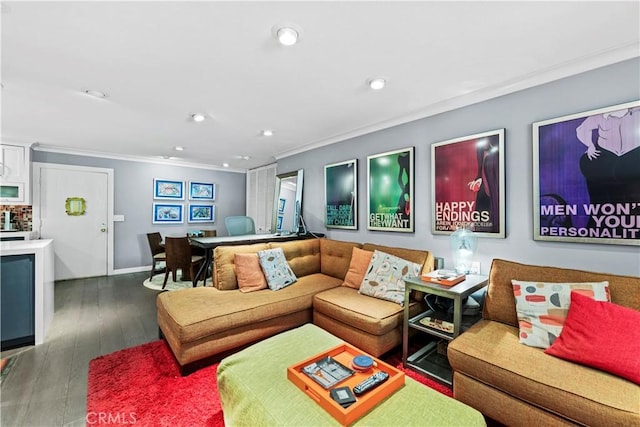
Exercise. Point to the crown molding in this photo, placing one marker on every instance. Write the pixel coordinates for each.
(566, 69)
(141, 159)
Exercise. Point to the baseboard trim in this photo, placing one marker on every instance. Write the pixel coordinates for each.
(131, 270)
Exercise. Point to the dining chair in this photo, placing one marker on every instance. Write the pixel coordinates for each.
(196, 250)
(240, 225)
(157, 252)
(179, 257)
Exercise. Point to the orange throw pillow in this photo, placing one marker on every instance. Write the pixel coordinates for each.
(360, 260)
(249, 273)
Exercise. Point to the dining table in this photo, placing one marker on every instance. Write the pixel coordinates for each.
(210, 243)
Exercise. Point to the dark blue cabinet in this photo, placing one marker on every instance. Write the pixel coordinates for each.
(17, 281)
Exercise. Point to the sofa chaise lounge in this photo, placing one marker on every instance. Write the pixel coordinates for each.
(206, 322)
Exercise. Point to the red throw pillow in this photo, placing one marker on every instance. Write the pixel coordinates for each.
(601, 335)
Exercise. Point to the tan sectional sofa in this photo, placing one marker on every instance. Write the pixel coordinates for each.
(371, 324)
(206, 322)
(519, 385)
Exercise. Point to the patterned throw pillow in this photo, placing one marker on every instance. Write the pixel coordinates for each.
(276, 269)
(385, 275)
(542, 307)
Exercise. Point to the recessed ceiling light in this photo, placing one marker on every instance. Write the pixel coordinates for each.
(377, 83)
(225, 165)
(95, 93)
(197, 117)
(286, 34)
(179, 148)
(267, 132)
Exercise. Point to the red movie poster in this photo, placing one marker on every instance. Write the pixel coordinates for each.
(468, 184)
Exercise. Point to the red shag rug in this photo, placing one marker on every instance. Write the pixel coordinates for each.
(142, 386)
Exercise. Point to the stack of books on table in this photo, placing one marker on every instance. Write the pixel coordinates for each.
(444, 277)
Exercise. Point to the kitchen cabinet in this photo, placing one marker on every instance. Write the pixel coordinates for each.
(27, 287)
(17, 274)
(15, 173)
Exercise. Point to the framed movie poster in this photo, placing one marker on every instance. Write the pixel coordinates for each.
(341, 195)
(390, 191)
(586, 184)
(467, 184)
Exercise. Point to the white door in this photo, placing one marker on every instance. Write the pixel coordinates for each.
(81, 239)
(261, 184)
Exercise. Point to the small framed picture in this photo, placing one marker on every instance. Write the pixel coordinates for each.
(202, 191)
(281, 204)
(279, 225)
(201, 213)
(167, 189)
(168, 213)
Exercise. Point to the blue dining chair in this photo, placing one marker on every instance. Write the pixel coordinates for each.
(240, 225)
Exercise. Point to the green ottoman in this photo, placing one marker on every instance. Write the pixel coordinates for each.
(255, 391)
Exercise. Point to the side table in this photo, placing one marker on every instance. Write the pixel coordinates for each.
(428, 360)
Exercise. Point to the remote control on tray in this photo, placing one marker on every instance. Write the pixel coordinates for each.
(370, 383)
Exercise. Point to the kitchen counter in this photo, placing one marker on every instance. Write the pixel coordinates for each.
(17, 235)
(43, 279)
(18, 247)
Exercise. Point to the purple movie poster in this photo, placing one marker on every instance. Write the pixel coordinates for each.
(587, 187)
(468, 184)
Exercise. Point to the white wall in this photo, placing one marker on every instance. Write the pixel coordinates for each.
(133, 198)
(515, 112)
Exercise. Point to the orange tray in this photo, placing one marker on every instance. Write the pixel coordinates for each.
(344, 353)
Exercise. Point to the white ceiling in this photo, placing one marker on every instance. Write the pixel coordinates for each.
(161, 61)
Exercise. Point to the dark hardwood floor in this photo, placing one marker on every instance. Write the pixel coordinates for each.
(47, 384)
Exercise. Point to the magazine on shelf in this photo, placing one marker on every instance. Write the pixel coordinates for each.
(444, 277)
(436, 323)
(327, 372)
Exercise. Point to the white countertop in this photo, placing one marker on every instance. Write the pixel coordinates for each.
(24, 234)
(17, 247)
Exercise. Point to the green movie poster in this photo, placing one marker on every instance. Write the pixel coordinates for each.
(390, 191)
(341, 197)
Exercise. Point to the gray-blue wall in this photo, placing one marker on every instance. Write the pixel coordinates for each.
(516, 112)
(133, 198)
